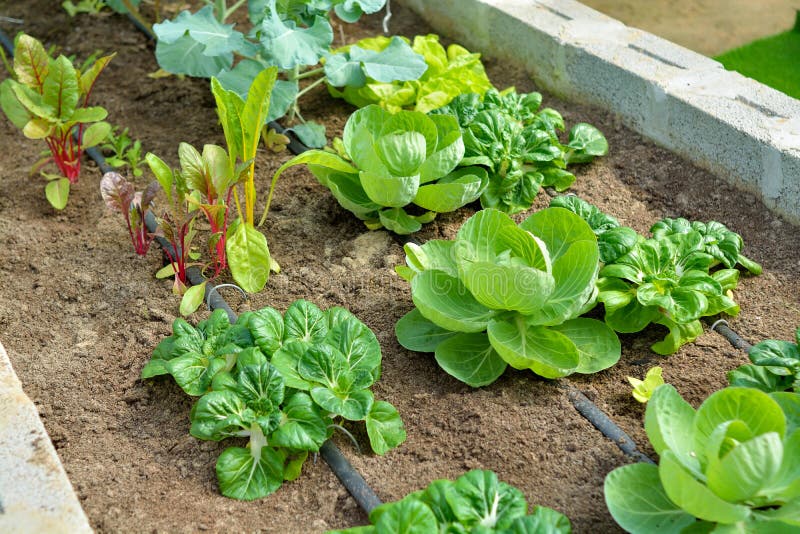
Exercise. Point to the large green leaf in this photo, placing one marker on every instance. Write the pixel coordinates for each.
(754, 408)
(286, 359)
(304, 321)
(303, 427)
(60, 89)
(417, 333)
(395, 62)
(746, 469)
(507, 287)
(638, 503)
(478, 498)
(197, 44)
(453, 191)
(193, 371)
(358, 345)
(470, 358)
(266, 328)
(693, 496)
(352, 405)
(445, 301)
(57, 193)
(218, 415)
(398, 221)
(407, 517)
(388, 190)
(669, 422)
(598, 346)
(248, 257)
(289, 46)
(546, 352)
(384, 427)
(31, 61)
(247, 475)
(12, 107)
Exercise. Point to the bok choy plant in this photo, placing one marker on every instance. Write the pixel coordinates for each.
(684, 272)
(475, 502)
(281, 382)
(391, 161)
(506, 294)
(292, 36)
(48, 99)
(518, 143)
(775, 366)
(729, 466)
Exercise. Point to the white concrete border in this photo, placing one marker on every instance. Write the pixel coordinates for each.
(35, 493)
(722, 121)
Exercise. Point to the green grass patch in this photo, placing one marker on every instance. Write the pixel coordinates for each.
(774, 61)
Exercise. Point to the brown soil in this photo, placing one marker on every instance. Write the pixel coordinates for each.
(706, 26)
(80, 314)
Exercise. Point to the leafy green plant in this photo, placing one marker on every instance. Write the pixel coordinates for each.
(475, 502)
(672, 279)
(613, 239)
(518, 143)
(502, 294)
(176, 221)
(48, 99)
(242, 121)
(775, 367)
(120, 196)
(389, 162)
(122, 151)
(451, 72)
(92, 7)
(283, 382)
(730, 466)
(644, 389)
(292, 36)
(722, 244)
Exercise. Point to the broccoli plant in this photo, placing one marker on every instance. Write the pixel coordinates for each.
(506, 294)
(518, 143)
(390, 162)
(729, 466)
(775, 366)
(119, 195)
(48, 99)
(292, 36)
(475, 502)
(281, 382)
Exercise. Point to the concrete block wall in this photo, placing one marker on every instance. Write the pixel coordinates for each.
(731, 125)
(35, 494)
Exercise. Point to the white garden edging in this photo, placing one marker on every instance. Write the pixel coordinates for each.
(722, 121)
(35, 493)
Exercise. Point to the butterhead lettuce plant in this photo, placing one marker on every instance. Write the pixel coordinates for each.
(475, 502)
(733, 465)
(392, 162)
(283, 382)
(506, 294)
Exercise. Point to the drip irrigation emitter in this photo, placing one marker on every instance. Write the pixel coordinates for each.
(351, 479)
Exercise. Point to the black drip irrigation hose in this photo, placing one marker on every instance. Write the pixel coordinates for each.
(722, 328)
(364, 495)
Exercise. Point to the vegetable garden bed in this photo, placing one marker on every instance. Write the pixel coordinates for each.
(80, 315)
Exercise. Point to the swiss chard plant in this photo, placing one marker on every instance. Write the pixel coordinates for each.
(120, 196)
(518, 143)
(729, 466)
(451, 72)
(775, 366)
(48, 99)
(506, 294)
(281, 382)
(475, 502)
(391, 163)
(292, 36)
(242, 121)
(176, 221)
